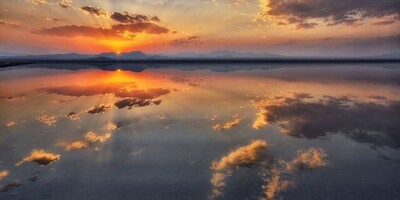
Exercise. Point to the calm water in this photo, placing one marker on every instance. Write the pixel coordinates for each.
(200, 132)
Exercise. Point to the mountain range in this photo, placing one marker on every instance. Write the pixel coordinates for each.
(138, 55)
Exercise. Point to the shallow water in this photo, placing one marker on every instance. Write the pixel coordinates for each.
(260, 131)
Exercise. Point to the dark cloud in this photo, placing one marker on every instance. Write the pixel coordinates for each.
(8, 24)
(129, 18)
(35, 176)
(94, 10)
(99, 109)
(192, 40)
(383, 23)
(364, 122)
(332, 12)
(132, 102)
(155, 19)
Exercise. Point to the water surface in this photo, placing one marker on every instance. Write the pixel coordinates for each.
(262, 131)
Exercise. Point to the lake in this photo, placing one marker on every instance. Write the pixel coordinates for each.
(200, 131)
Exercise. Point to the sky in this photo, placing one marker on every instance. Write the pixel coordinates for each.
(286, 27)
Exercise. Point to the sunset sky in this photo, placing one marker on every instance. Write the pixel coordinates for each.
(287, 27)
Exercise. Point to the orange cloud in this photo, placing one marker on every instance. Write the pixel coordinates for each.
(228, 125)
(89, 139)
(3, 174)
(243, 156)
(11, 123)
(49, 120)
(310, 159)
(40, 157)
(99, 109)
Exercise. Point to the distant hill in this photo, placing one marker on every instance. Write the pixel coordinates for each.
(140, 56)
(225, 54)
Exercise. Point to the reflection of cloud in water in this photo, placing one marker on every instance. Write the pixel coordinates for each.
(311, 159)
(306, 117)
(190, 81)
(11, 123)
(73, 116)
(135, 102)
(276, 173)
(274, 184)
(89, 139)
(40, 157)
(228, 125)
(3, 174)
(121, 90)
(35, 176)
(131, 97)
(243, 156)
(13, 98)
(10, 186)
(49, 120)
(99, 109)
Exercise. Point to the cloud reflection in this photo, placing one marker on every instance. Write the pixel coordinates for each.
(40, 157)
(228, 125)
(304, 116)
(3, 174)
(276, 173)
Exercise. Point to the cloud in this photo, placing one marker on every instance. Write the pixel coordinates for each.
(99, 109)
(11, 123)
(330, 12)
(128, 26)
(308, 117)
(276, 173)
(189, 80)
(144, 27)
(281, 172)
(80, 31)
(40, 157)
(65, 3)
(135, 102)
(274, 185)
(9, 24)
(133, 18)
(121, 90)
(35, 176)
(131, 97)
(122, 31)
(49, 120)
(3, 174)
(38, 2)
(191, 40)
(310, 159)
(248, 155)
(384, 23)
(94, 10)
(10, 186)
(90, 139)
(228, 125)
(73, 116)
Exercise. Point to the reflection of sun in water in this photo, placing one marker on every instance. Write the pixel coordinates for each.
(119, 76)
